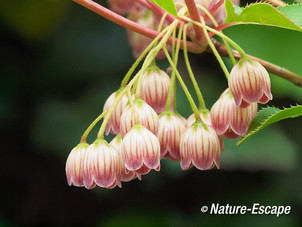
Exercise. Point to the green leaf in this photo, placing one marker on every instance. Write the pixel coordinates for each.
(294, 12)
(167, 5)
(269, 116)
(263, 14)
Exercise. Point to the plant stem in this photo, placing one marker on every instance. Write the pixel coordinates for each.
(235, 45)
(87, 131)
(216, 25)
(139, 59)
(172, 82)
(196, 87)
(191, 5)
(215, 52)
(136, 118)
(111, 109)
(272, 68)
(213, 7)
(184, 87)
(151, 56)
(155, 8)
(126, 23)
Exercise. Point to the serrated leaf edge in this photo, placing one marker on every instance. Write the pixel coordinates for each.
(262, 122)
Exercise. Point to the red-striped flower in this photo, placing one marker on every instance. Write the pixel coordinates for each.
(147, 117)
(199, 146)
(230, 120)
(101, 166)
(126, 175)
(155, 88)
(249, 82)
(141, 150)
(171, 127)
(74, 165)
(113, 124)
(205, 117)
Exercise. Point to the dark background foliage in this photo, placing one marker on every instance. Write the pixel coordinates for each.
(59, 63)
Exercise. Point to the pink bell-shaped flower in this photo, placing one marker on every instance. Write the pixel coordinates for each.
(230, 120)
(205, 117)
(74, 165)
(126, 175)
(147, 117)
(141, 150)
(113, 124)
(249, 82)
(199, 146)
(171, 127)
(101, 166)
(155, 88)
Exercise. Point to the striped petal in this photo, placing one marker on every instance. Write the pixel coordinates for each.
(171, 127)
(101, 165)
(147, 117)
(140, 150)
(74, 165)
(155, 88)
(113, 124)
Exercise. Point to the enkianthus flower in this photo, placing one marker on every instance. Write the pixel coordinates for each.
(249, 82)
(155, 88)
(74, 165)
(124, 7)
(141, 150)
(170, 129)
(138, 42)
(200, 147)
(147, 117)
(205, 117)
(230, 120)
(101, 166)
(126, 175)
(113, 124)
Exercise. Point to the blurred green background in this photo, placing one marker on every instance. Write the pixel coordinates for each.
(59, 63)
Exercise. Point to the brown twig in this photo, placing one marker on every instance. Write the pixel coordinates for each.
(272, 68)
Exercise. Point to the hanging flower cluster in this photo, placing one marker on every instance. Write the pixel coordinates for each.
(143, 115)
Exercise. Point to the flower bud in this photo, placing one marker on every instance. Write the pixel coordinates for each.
(124, 7)
(113, 124)
(140, 42)
(199, 146)
(101, 166)
(126, 175)
(230, 120)
(155, 88)
(205, 117)
(141, 150)
(74, 165)
(170, 129)
(147, 117)
(249, 82)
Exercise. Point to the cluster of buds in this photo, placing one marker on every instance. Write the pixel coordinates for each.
(145, 133)
(234, 111)
(148, 128)
(147, 18)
